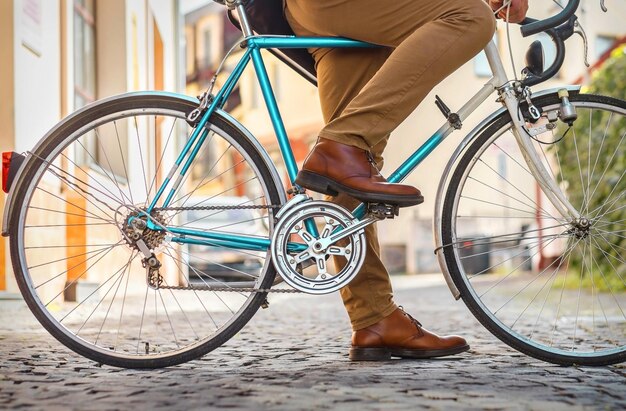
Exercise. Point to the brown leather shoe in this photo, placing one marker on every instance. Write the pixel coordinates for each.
(334, 167)
(400, 335)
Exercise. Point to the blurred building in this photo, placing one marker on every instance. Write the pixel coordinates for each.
(209, 35)
(59, 55)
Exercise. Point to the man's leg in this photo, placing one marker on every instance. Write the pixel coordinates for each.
(341, 75)
(381, 330)
(431, 39)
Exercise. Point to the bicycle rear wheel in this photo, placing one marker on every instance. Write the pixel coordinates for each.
(82, 277)
(549, 287)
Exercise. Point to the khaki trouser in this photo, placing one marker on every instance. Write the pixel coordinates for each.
(366, 93)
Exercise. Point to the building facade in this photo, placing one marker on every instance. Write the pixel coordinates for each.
(59, 55)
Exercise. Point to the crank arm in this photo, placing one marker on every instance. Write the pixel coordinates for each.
(324, 243)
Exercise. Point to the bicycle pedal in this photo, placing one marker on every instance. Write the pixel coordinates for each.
(383, 211)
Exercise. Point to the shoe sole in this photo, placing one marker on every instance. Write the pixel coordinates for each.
(325, 185)
(385, 354)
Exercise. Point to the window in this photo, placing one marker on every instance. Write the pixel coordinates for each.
(84, 53)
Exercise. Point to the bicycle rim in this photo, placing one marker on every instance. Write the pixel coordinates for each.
(84, 280)
(550, 288)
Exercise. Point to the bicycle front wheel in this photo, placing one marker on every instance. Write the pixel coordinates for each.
(547, 286)
(74, 234)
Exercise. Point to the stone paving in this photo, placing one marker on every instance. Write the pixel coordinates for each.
(294, 356)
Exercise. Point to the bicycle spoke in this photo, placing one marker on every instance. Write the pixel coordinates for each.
(102, 251)
(158, 167)
(512, 271)
(109, 220)
(143, 315)
(606, 168)
(48, 226)
(525, 287)
(49, 210)
(121, 279)
(141, 161)
(84, 173)
(543, 212)
(168, 252)
(119, 323)
(221, 265)
(201, 276)
(582, 184)
(534, 204)
(553, 275)
(106, 157)
(169, 320)
(66, 258)
(532, 331)
(121, 269)
(608, 282)
(530, 213)
(119, 145)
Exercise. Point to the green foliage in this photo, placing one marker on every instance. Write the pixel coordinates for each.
(610, 80)
(594, 167)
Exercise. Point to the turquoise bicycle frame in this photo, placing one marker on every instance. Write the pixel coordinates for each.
(253, 46)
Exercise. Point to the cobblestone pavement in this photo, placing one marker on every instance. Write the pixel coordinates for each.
(294, 356)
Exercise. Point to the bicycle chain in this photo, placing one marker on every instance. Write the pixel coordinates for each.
(217, 207)
(233, 290)
(227, 289)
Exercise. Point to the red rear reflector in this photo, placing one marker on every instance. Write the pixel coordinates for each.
(6, 164)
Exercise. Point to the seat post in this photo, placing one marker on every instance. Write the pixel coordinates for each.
(241, 14)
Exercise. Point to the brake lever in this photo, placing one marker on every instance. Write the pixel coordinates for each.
(603, 7)
(581, 32)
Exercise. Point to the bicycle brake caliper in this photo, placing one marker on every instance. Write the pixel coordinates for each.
(196, 114)
(533, 114)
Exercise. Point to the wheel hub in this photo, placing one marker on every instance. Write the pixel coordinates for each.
(581, 228)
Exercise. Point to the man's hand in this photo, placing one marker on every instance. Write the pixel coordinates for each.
(518, 11)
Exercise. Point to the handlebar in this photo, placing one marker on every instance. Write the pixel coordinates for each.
(551, 22)
(559, 27)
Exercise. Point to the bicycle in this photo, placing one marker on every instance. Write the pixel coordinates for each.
(130, 222)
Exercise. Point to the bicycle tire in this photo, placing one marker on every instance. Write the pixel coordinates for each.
(43, 157)
(470, 289)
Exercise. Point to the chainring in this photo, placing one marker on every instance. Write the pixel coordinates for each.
(307, 269)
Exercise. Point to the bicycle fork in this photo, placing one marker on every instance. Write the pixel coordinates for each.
(547, 184)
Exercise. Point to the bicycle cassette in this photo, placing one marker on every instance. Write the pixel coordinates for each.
(302, 257)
